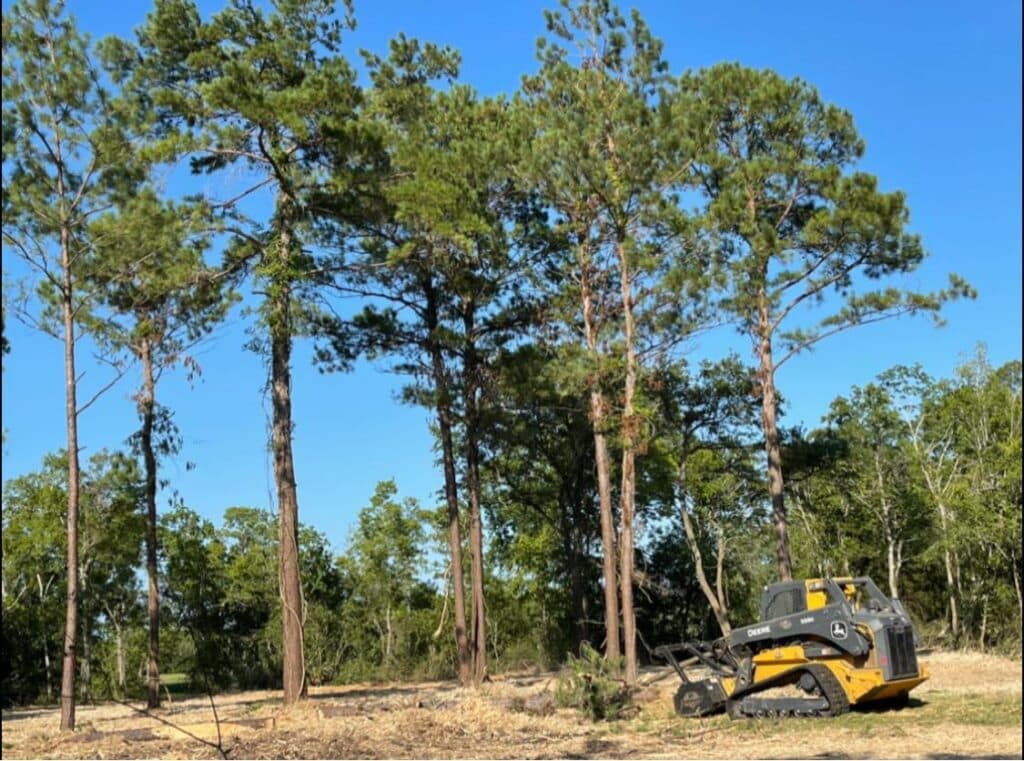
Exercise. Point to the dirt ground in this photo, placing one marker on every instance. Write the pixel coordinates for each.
(970, 708)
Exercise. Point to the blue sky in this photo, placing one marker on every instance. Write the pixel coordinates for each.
(935, 88)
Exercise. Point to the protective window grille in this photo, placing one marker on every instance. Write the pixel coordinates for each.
(902, 658)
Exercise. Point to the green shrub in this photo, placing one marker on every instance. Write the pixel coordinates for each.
(590, 684)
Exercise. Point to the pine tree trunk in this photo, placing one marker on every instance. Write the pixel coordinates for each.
(604, 482)
(69, 666)
(772, 445)
(444, 417)
(85, 663)
(444, 422)
(628, 490)
(478, 612)
(293, 672)
(148, 410)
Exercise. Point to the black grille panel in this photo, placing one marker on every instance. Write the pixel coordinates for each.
(902, 657)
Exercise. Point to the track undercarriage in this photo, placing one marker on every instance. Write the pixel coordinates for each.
(810, 690)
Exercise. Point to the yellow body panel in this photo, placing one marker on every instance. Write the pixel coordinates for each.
(862, 682)
(817, 596)
(865, 684)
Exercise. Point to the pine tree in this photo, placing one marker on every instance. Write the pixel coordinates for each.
(271, 92)
(439, 268)
(605, 158)
(795, 227)
(160, 299)
(67, 155)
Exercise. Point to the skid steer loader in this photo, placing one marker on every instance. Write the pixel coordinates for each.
(822, 645)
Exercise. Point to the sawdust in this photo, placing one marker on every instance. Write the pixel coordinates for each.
(970, 708)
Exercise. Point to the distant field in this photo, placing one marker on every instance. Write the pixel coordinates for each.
(971, 707)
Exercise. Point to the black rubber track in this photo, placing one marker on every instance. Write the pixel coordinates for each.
(830, 687)
(833, 691)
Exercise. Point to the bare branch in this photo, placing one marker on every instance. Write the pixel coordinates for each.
(120, 374)
(804, 345)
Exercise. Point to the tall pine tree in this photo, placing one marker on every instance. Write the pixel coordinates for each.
(160, 298)
(796, 228)
(267, 90)
(67, 156)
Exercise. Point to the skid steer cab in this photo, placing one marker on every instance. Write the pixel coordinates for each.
(821, 646)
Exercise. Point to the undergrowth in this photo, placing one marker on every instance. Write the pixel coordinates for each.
(591, 684)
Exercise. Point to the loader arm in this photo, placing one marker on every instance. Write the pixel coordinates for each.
(831, 625)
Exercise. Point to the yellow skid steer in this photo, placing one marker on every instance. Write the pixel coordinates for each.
(822, 645)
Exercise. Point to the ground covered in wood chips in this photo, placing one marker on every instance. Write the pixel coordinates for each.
(970, 708)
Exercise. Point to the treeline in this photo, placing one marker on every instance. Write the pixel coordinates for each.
(913, 480)
(536, 265)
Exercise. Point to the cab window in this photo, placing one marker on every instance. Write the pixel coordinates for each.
(786, 603)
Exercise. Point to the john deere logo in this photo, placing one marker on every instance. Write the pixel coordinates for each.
(838, 630)
(691, 699)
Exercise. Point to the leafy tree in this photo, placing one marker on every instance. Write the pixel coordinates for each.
(707, 419)
(963, 434)
(986, 403)
(113, 527)
(34, 561)
(794, 226)
(271, 92)
(161, 299)
(219, 587)
(382, 563)
(540, 489)
(33, 565)
(67, 155)
(876, 472)
(195, 582)
(826, 522)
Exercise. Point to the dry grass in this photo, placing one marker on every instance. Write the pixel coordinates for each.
(970, 708)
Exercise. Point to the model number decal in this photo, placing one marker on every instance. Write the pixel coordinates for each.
(758, 630)
(807, 620)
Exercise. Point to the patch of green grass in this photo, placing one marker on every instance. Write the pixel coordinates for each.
(176, 683)
(984, 710)
(973, 709)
